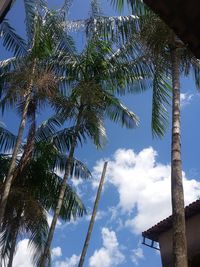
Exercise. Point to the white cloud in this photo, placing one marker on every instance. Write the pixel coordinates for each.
(23, 255)
(137, 254)
(99, 215)
(49, 220)
(110, 254)
(186, 99)
(143, 186)
(69, 262)
(56, 252)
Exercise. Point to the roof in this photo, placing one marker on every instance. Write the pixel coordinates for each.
(4, 8)
(154, 232)
(183, 17)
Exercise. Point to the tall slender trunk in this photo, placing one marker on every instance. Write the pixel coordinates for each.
(62, 192)
(14, 239)
(22, 164)
(28, 150)
(94, 212)
(9, 178)
(177, 196)
(12, 250)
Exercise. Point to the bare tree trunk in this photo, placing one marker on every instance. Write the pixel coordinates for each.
(10, 176)
(94, 212)
(179, 231)
(62, 193)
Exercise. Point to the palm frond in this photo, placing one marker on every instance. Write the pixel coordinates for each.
(131, 73)
(196, 71)
(65, 8)
(36, 226)
(4, 166)
(6, 237)
(72, 205)
(161, 100)
(32, 7)
(7, 140)
(7, 65)
(95, 130)
(80, 170)
(47, 189)
(54, 29)
(95, 8)
(49, 127)
(63, 139)
(11, 40)
(117, 112)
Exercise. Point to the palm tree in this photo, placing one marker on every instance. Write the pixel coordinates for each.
(95, 76)
(28, 79)
(169, 57)
(120, 31)
(34, 193)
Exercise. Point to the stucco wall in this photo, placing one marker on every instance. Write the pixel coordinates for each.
(193, 241)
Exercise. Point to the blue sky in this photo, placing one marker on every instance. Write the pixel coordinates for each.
(136, 194)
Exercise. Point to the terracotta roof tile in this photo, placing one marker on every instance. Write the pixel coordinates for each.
(154, 232)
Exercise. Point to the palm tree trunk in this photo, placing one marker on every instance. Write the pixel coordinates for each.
(62, 192)
(28, 151)
(94, 212)
(12, 250)
(177, 195)
(14, 239)
(12, 168)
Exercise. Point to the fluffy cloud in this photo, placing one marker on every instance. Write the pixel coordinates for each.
(186, 99)
(69, 262)
(49, 220)
(99, 215)
(110, 254)
(137, 254)
(143, 185)
(56, 252)
(23, 255)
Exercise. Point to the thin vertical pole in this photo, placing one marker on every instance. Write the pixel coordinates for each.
(94, 212)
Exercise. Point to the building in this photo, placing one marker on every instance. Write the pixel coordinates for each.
(183, 17)
(4, 8)
(162, 233)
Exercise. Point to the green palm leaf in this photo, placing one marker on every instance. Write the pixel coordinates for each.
(49, 127)
(32, 7)
(7, 140)
(11, 40)
(196, 71)
(117, 112)
(36, 226)
(160, 102)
